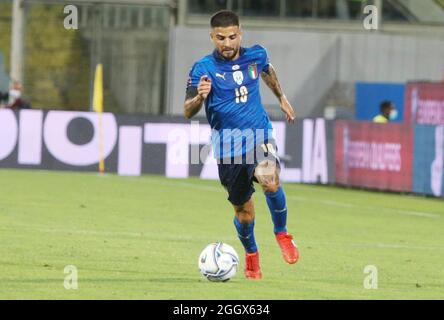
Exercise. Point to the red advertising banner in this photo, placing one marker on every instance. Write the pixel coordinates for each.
(424, 103)
(374, 155)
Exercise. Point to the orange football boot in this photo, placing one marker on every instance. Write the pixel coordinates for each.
(252, 267)
(288, 247)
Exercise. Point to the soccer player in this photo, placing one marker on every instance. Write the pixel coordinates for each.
(227, 82)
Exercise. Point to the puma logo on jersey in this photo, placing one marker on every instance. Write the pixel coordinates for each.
(220, 75)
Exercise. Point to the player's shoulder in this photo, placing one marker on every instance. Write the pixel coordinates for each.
(256, 50)
(204, 62)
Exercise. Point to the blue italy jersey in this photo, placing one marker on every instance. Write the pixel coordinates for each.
(233, 108)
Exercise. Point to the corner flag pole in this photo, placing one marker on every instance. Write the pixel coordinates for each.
(98, 107)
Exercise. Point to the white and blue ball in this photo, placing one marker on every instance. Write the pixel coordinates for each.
(218, 262)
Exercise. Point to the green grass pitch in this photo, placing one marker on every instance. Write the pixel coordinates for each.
(140, 238)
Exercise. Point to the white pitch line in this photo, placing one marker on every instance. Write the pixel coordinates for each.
(324, 202)
(147, 237)
(220, 189)
(371, 245)
(421, 214)
(192, 185)
(371, 208)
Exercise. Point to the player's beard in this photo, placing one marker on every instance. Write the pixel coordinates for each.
(232, 55)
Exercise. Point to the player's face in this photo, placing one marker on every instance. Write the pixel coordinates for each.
(227, 41)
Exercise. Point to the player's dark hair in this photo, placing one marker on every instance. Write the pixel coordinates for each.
(224, 18)
(385, 105)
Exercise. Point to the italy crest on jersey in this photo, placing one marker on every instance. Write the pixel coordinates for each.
(252, 71)
(238, 77)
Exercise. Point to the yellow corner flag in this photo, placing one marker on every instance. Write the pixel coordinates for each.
(98, 89)
(98, 107)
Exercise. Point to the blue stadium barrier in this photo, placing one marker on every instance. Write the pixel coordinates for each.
(428, 160)
(370, 95)
(4, 79)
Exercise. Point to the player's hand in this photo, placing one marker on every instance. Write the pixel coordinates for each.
(287, 109)
(204, 87)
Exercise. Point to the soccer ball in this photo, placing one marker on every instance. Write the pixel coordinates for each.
(218, 262)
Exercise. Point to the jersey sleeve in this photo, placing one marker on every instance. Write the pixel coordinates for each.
(264, 63)
(197, 71)
(194, 76)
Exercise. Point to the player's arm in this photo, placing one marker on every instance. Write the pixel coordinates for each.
(196, 96)
(270, 78)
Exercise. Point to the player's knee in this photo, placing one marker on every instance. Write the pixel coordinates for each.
(244, 215)
(269, 184)
(270, 187)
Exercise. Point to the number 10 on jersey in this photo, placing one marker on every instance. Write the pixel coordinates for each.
(241, 94)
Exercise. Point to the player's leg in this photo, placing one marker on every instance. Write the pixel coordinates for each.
(244, 222)
(267, 174)
(237, 180)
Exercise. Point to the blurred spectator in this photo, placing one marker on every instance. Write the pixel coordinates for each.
(387, 113)
(13, 99)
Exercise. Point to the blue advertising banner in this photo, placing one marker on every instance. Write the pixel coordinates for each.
(428, 160)
(370, 95)
(4, 80)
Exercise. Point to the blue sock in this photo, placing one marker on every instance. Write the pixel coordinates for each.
(245, 232)
(278, 209)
